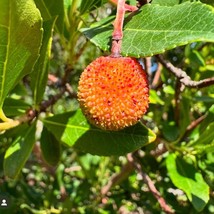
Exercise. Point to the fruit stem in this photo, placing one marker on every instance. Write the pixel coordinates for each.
(117, 34)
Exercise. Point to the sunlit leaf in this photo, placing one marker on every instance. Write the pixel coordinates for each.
(156, 28)
(19, 151)
(73, 129)
(40, 71)
(187, 178)
(21, 34)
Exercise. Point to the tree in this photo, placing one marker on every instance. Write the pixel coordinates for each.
(54, 161)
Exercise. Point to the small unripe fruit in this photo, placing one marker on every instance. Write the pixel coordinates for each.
(113, 92)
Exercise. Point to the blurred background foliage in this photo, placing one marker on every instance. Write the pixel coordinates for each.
(69, 181)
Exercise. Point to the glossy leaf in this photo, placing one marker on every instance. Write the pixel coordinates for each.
(50, 147)
(73, 129)
(20, 36)
(19, 151)
(50, 9)
(187, 178)
(156, 28)
(39, 76)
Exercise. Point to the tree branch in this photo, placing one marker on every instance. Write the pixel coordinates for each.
(117, 178)
(117, 34)
(165, 207)
(183, 77)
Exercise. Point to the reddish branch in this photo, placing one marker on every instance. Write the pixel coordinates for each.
(33, 113)
(133, 163)
(183, 77)
(117, 34)
(165, 207)
(117, 178)
(156, 80)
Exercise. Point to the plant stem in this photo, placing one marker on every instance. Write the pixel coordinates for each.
(183, 77)
(118, 29)
(132, 157)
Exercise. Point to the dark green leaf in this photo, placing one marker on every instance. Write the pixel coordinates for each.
(50, 147)
(205, 139)
(73, 129)
(206, 99)
(88, 5)
(170, 131)
(18, 153)
(21, 35)
(184, 115)
(39, 75)
(156, 28)
(187, 178)
(209, 119)
(14, 107)
(51, 9)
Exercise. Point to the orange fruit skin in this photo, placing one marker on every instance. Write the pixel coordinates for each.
(113, 93)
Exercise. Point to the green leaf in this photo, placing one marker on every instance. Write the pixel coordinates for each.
(154, 98)
(21, 35)
(170, 131)
(51, 9)
(73, 129)
(19, 151)
(166, 2)
(205, 139)
(50, 147)
(88, 5)
(184, 116)
(187, 178)
(14, 107)
(209, 119)
(39, 76)
(156, 28)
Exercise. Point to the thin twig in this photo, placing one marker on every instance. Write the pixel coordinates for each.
(193, 125)
(148, 65)
(117, 178)
(165, 207)
(33, 113)
(67, 87)
(156, 79)
(183, 77)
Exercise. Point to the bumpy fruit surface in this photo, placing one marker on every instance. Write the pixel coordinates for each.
(113, 92)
